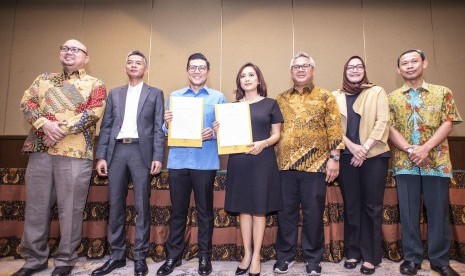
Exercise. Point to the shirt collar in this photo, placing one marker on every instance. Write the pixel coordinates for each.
(307, 89)
(137, 86)
(79, 73)
(424, 87)
(201, 90)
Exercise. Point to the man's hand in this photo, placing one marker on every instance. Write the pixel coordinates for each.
(48, 142)
(53, 131)
(156, 167)
(332, 170)
(101, 167)
(207, 134)
(419, 155)
(168, 117)
(216, 126)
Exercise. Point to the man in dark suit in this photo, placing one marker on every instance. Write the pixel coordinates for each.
(131, 143)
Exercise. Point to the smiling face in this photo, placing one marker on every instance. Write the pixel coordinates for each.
(302, 77)
(411, 66)
(74, 61)
(197, 73)
(249, 79)
(355, 70)
(135, 67)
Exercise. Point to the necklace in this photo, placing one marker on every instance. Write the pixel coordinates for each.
(251, 102)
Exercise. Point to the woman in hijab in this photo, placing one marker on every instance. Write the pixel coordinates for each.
(363, 165)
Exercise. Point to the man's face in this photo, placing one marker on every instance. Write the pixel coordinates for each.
(411, 66)
(70, 60)
(300, 75)
(197, 72)
(135, 67)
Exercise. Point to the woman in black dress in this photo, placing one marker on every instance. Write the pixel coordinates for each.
(252, 187)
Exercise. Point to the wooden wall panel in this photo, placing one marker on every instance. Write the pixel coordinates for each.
(7, 19)
(392, 27)
(258, 32)
(179, 29)
(449, 40)
(41, 26)
(112, 29)
(331, 32)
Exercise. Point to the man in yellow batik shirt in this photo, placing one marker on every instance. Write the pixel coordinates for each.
(63, 109)
(308, 158)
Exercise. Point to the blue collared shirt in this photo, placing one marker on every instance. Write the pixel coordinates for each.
(206, 157)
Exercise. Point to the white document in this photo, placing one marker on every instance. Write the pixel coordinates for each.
(235, 126)
(187, 118)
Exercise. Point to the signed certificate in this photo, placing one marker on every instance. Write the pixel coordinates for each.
(235, 132)
(185, 130)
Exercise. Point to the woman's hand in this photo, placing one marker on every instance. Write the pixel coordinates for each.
(257, 147)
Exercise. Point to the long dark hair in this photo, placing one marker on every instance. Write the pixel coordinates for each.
(261, 88)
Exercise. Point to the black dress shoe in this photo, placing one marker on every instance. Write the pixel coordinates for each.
(366, 270)
(205, 265)
(241, 271)
(409, 268)
(254, 274)
(351, 265)
(109, 266)
(29, 271)
(169, 266)
(140, 268)
(62, 270)
(445, 270)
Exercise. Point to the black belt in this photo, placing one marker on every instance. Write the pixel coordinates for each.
(128, 140)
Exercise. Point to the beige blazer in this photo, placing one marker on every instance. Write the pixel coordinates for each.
(373, 108)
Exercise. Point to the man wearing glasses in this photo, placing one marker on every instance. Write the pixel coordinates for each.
(308, 158)
(193, 169)
(63, 109)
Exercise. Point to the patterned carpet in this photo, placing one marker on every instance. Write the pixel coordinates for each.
(84, 267)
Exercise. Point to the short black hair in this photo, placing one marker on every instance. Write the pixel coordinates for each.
(197, 56)
(137, 53)
(420, 52)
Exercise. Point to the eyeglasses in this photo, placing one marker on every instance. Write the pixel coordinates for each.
(355, 67)
(193, 68)
(73, 50)
(297, 67)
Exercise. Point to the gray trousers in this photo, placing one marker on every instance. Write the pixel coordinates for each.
(435, 192)
(50, 179)
(127, 161)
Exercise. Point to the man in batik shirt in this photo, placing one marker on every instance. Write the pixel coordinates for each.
(308, 158)
(422, 115)
(63, 109)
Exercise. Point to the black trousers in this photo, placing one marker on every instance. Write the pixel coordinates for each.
(435, 192)
(182, 182)
(307, 191)
(362, 190)
(127, 161)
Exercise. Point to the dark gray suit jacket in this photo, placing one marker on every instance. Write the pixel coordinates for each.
(149, 124)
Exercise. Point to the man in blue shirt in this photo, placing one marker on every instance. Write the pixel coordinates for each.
(193, 169)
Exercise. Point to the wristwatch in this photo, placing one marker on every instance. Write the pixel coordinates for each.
(335, 157)
(367, 148)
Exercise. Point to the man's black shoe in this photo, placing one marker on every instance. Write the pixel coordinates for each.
(409, 268)
(62, 270)
(205, 265)
(140, 268)
(169, 266)
(29, 271)
(445, 270)
(109, 266)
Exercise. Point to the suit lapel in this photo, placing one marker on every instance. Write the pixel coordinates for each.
(143, 96)
(122, 99)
